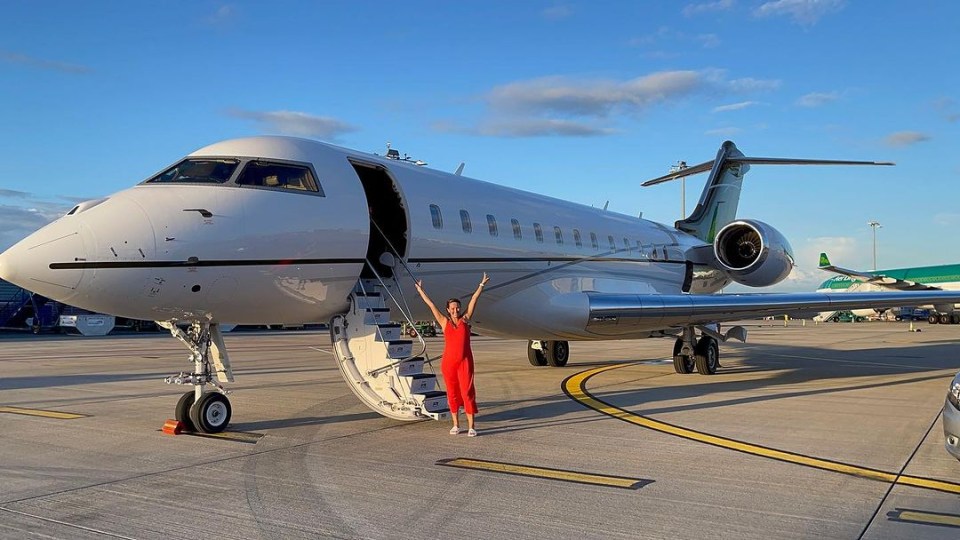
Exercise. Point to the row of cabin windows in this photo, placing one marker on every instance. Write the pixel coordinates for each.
(437, 219)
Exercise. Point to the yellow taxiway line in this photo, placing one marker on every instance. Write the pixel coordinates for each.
(622, 482)
(39, 412)
(575, 387)
(927, 518)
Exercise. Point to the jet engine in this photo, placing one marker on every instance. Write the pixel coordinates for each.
(753, 253)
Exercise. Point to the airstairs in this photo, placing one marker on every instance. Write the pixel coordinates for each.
(379, 365)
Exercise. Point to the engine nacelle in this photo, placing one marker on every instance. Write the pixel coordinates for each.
(753, 253)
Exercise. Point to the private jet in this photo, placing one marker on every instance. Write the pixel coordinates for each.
(282, 230)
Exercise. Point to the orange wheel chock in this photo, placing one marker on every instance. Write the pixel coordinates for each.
(172, 427)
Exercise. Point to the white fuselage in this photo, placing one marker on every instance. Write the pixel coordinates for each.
(251, 255)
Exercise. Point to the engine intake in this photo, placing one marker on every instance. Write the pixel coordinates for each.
(753, 253)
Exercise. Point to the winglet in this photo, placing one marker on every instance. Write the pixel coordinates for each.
(824, 260)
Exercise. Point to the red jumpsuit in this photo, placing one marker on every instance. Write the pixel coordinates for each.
(457, 367)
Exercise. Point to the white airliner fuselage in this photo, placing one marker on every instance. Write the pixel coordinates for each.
(287, 256)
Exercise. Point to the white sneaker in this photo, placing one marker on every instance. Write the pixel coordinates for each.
(472, 433)
(454, 430)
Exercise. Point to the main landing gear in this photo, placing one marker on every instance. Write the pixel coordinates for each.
(206, 412)
(544, 353)
(702, 354)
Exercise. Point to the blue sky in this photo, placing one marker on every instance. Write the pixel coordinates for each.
(578, 100)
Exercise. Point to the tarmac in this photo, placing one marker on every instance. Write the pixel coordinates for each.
(815, 431)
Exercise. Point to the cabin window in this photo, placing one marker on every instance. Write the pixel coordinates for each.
(198, 171)
(613, 245)
(278, 176)
(626, 245)
(593, 241)
(538, 232)
(576, 238)
(492, 225)
(465, 221)
(436, 217)
(558, 234)
(517, 233)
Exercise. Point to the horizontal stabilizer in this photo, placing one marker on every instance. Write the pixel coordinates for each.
(707, 165)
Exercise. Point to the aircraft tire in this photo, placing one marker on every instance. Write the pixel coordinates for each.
(707, 355)
(182, 412)
(557, 353)
(682, 363)
(211, 413)
(536, 357)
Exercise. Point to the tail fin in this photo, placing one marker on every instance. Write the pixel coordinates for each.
(720, 197)
(824, 261)
(721, 194)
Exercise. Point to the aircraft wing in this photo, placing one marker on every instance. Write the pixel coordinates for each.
(616, 313)
(877, 279)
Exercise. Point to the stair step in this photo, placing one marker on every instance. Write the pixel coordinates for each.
(399, 349)
(422, 383)
(368, 300)
(374, 316)
(443, 414)
(410, 366)
(389, 332)
(433, 401)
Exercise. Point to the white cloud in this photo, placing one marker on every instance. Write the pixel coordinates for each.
(52, 65)
(947, 108)
(803, 12)
(537, 127)
(691, 10)
(567, 106)
(816, 99)
(905, 138)
(16, 222)
(723, 132)
(947, 219)
(224, 14)
(735, 106)
(709, 41)
(564, 95)
(557, 12)
(295, 123)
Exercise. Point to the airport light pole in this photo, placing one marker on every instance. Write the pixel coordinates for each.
(875, 225)
(681, 165)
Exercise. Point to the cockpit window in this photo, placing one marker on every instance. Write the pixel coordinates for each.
(203, 171)
(279, 175)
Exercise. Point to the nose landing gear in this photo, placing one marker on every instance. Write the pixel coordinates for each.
(208, 412)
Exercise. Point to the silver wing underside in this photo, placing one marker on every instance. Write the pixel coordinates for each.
(612, 314)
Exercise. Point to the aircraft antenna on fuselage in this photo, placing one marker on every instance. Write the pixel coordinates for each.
(394, 154)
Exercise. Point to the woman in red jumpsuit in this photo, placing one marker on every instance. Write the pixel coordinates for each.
(457, 363)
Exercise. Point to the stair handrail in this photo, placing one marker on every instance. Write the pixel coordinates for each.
(406, 317)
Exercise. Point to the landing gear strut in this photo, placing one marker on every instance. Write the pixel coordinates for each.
(199, 411)
(552, 353)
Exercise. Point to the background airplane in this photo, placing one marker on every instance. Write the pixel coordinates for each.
(272, 230)
(919, 278)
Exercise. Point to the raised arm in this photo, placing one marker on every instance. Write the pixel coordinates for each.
(476, 295)
(441, 319)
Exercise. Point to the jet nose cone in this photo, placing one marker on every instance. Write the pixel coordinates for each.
(6, 267)
(32, 262)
